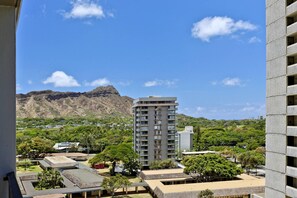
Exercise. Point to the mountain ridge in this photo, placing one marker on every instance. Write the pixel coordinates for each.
(99, 102)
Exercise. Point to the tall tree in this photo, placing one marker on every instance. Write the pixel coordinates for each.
(114, 153)
(197, 137)
(112, 184)
(250, 160)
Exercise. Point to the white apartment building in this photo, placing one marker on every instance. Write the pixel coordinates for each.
(184, 139)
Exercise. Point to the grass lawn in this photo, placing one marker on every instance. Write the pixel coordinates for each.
(30, 169)
(134, 179)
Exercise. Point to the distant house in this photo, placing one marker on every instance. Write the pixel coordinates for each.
(184, 139)
(65, 146)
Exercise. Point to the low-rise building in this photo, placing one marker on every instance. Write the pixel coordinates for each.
(184, 139)
(172, 183)
(66, 146)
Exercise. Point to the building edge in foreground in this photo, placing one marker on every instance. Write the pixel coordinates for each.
(281, 99)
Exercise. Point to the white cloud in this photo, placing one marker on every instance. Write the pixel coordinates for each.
(60, 79)
(231, 82)
(84, 9)
(154, 83)
(99, 82)
(30, 82)
(151, 83)
(255, 39)
(226, 111)
(219, 26)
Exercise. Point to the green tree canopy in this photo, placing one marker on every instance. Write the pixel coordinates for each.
(210, 167)
(112, 184)
(206, 194)
(251, 159)
(162, 164)
(122, 152)
(35, 146)
(49, 179)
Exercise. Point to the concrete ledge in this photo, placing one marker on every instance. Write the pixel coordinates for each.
(291, 29)
(291, 171)
(290, 191)
(292, 130)
(292, 49)
(292, 9)
(292, 90)
(292, 110)
(292, 69)
(292, 151)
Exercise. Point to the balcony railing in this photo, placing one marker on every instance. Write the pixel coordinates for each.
(14, 190)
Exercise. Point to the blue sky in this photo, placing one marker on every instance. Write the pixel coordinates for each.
(210, 54)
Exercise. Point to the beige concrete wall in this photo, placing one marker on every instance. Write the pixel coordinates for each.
(276, 98)
(7, 96)
(224, 192)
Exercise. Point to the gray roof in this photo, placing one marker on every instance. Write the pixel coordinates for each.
(83, 178)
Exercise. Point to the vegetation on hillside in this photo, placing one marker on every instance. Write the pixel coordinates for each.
(231, 138)
(94, 135)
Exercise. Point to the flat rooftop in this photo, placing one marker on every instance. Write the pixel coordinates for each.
(60, 162)
(83, 178)
(50, 196)
(69, 154)
(173, 174)
(242, 185)
(246, 181)
(155, 101)
(198, 152)
(163, 171)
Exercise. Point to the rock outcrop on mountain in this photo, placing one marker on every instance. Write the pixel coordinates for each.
(100, 102)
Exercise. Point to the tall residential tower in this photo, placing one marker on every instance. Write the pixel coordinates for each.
(281, 101)
(154, 128)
